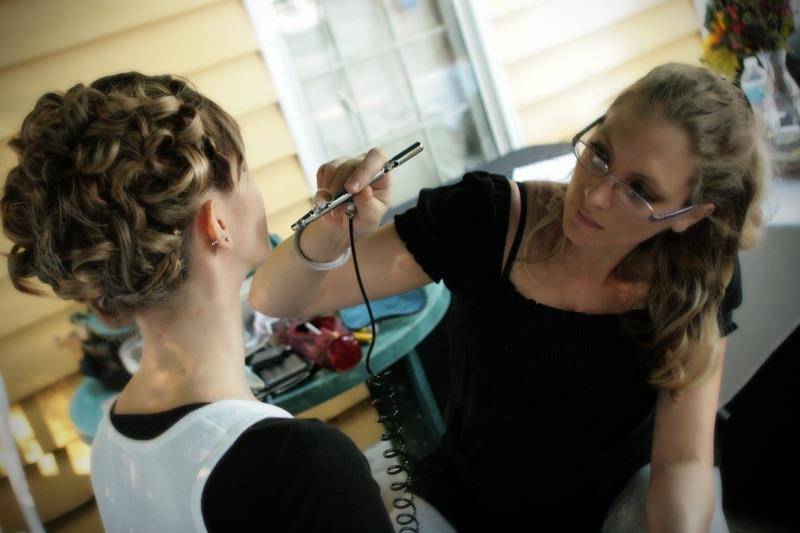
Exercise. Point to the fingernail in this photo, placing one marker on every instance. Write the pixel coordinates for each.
(353, 186)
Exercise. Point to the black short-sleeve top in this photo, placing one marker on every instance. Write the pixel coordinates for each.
(555, 399)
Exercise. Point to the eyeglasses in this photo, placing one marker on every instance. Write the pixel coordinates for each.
(625, 194)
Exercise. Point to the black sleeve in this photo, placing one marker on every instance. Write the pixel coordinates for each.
(730, 301)
(457, 232)
(293, 475)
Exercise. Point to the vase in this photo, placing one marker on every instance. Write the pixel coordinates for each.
(781, 108)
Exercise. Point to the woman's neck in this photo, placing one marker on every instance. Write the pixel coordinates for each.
(596, 267)
(191, 353)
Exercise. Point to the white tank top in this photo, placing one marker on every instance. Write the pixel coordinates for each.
(157, 484)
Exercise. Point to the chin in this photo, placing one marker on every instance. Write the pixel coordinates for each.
(579, 235)
(573, 230)
(264, 253)
(257, 252)
(576, 239)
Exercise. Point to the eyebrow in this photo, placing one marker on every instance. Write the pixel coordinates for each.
(653, 183)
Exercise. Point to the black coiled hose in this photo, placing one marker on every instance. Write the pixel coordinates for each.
(388, 415)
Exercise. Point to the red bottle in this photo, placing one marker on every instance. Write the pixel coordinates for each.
(324, 341)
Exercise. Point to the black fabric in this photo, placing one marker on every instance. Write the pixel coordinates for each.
(550, 412)
(730, 301)
(523, 213)
(149, 426)
(457, 232)
(760, 465)
(285, 475)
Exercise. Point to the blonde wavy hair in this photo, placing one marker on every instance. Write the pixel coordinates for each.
(687, 272)
(108, 179)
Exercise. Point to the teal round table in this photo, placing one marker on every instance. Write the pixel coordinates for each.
(397, 339)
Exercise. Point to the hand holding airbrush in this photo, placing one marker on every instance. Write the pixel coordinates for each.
(358, 184)
(363, 198)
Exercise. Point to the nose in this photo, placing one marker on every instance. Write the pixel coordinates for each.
(599, 191)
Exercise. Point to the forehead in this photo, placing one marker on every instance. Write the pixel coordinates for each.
(650, 146)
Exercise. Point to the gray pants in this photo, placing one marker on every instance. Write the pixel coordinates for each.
(627, 513)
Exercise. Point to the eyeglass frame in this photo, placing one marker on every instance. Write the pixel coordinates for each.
(654, 217)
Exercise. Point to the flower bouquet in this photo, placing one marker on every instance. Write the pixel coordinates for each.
(747, 43)
(742, 28)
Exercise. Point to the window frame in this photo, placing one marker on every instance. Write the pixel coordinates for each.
(465, 16)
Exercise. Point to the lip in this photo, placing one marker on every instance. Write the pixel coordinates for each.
(583, 217)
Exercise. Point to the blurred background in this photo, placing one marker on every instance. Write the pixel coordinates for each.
(307, 81)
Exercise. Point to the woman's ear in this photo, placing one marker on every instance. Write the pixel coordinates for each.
(211, 226)
(685, 221)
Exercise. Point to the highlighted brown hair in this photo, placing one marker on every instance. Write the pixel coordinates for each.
(108, 178)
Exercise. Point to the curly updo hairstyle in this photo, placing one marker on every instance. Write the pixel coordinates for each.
(109, 178)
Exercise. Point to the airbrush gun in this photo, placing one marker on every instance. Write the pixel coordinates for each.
(324, 207)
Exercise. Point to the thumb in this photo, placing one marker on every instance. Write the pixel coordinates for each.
(363, 198)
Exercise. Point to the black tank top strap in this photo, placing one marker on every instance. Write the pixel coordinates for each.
(512, 254)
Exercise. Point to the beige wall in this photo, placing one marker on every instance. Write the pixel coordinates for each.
(558, 88)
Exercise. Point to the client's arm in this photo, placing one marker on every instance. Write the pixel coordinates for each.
(284, 287)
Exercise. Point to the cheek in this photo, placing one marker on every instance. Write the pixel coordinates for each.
(635, 232)
(259, 213)
(576, 188)
(255, 203)
(621, 229)
(253, 218)
(260, 237)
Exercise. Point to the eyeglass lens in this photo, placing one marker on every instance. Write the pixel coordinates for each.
(592, 162)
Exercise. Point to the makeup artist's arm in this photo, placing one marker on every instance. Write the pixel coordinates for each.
(681, 492)
(284, 287)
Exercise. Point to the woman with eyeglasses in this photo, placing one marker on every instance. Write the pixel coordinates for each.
(588, 324)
